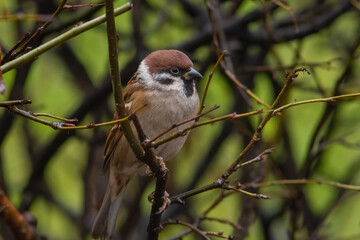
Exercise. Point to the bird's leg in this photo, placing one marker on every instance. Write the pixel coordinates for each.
(163, 170)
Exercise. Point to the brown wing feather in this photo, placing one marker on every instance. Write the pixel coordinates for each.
(131, 92)
(114, 136)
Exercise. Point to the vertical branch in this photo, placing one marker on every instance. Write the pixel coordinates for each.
(202, 106)
(116, 80)
(158, 167)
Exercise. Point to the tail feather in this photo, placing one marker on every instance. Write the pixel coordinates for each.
(105, 220)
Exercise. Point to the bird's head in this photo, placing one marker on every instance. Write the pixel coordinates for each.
(169, 70)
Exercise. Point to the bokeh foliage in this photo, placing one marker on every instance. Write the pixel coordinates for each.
(64, 197)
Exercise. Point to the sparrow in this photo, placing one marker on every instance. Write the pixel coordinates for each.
(166, 82)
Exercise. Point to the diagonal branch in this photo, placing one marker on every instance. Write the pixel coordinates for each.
(60, 39)
(16, 221)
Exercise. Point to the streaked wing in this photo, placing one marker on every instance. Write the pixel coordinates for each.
(114, 136)
(132, 99)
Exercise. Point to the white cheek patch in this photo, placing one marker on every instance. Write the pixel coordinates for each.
(177, 84)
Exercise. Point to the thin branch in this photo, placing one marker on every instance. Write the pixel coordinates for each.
(202, 106)
(14, 102)
(179, 124)
(243, 87)
(224, 221)
(259, 158)
(68, 6)
(196, 125)
(304, 181)
(291, 12)
(256, 137)
(239, 189)
(2, 83)
(329, 99)
(60, 39)
(182, 196)
(190, 226)
(68, 125)
(16, 46)
(23, 46)
(73, 120)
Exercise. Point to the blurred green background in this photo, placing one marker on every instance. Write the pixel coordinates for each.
(65, 195)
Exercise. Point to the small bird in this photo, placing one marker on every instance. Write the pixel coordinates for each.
(166, 82)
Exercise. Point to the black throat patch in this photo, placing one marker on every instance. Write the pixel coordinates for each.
(188, 87)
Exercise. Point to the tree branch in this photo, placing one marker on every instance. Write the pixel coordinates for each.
(60, 39)
(16, 221)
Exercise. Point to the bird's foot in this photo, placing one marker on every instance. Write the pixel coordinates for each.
(163, 167)
(148, 172)
(166, 203)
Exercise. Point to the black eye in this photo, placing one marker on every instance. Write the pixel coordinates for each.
(174, 70)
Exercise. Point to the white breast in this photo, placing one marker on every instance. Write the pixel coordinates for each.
(164, 110)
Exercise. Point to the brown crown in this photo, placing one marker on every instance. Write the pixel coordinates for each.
(165, 59)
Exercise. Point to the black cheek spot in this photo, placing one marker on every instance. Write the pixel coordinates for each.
(188, 87)
(165, 81)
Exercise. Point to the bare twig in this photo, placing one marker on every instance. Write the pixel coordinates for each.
(190, 226)
(243, 87)
(202, 102)
(256, 137)
(68, 6)
(22, 47)
(259, 158)
(304, 181)
(68, 123)
(291, 12)
(148, 143)
(224, 221)
(196, 125)
(329, 99)
(2, 84)
(239, 189)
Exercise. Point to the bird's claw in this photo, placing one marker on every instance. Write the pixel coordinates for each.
(165, 204)
(151, 197)
(148, 172)
(163, 167)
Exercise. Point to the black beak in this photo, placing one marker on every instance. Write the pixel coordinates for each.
(192, 75)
